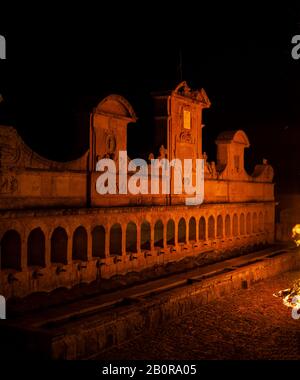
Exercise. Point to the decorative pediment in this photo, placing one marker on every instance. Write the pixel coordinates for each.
(15, 154)
(202, 96)
(183, 89)
(263, 172)
(10, 149)
(238, 137)
(199, 95)
(116, 106)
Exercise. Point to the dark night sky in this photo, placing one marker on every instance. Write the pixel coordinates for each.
(60, 63)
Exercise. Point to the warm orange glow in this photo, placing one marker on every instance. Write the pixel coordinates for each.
(296, 234)
(291, 296)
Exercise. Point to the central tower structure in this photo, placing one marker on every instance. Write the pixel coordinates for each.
(178, 121)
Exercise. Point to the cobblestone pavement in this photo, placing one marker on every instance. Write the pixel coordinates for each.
(251, 324)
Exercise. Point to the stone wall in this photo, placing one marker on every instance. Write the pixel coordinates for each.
(57, 231)
(153, 311)
(46, 249)
(89, 334)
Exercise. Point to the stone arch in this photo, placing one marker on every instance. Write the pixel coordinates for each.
(248, 223)
(192, 229)
(98, 242)
(202, 228)
(254, 223)
(242, 224)
(211, 227)
(79, 248)
(145, 235)
(219, 226)
(159, 234)
(171, 232)
(182, 231)
(59, 246)
(235, 225)
(227, 226)
(11, 250)
(115, 240)
(131, 238)
(36, 248)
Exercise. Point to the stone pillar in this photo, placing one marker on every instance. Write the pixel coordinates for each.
(89, 246)
(197, 230)
(123, 241)
(176, 234)
(24, 253)
(165, 236)
(138, 238)
(206, 229)
(69, 249)
(152, 239)
(47, 250)
(187, 231)
(107, 241)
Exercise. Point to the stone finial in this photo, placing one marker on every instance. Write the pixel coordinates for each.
(151, 157)
(162, 152)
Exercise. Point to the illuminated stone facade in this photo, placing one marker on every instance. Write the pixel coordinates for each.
(57, 231)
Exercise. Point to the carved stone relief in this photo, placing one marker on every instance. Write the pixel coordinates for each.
(8, 184)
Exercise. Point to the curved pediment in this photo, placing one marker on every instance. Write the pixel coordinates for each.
(238, 137)
(263, 172)
(15, 153)
(116, 106)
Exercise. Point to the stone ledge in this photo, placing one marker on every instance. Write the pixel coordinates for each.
(88, 335)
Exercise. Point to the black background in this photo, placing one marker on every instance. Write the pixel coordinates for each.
(63, 59)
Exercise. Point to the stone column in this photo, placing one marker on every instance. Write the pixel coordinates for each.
(89, 246)
(165, 236)
(176, 234)
(187, 232)
(223, 229)
(69, 249)
(123, 241)
(24, 253)
(107, 241)
(138, 238)
(206, 229)
(152, 239)
(47, 250)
